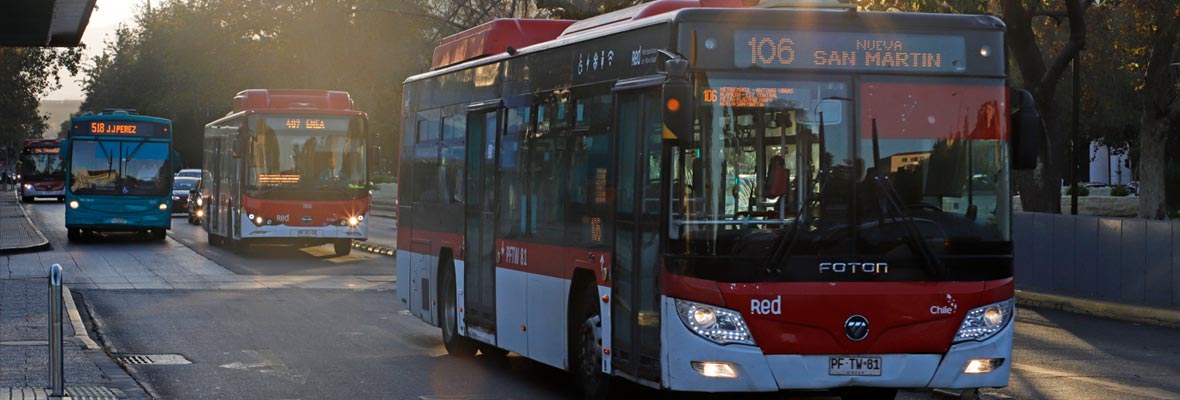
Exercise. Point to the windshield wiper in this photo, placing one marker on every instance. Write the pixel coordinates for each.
(891, 198)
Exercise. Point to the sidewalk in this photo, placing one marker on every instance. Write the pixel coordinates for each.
(17, 233)
(24, 329)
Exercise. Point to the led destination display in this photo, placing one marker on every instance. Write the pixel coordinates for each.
(849, 51)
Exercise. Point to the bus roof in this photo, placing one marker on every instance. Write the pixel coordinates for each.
(664, 11)
(42, 142)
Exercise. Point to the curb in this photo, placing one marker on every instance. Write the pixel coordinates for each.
(1145, 315)
(374, 248)
(44, 245)
(80, 331)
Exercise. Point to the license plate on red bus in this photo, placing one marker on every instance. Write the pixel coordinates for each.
(307, 233)
(855, 366)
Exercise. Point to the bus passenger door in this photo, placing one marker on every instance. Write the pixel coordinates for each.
(480, 205)
(635, 308)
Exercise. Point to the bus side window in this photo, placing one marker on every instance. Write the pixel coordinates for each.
(587, 219)
(511, 170)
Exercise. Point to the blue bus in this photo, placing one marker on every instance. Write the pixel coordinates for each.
(120, 167)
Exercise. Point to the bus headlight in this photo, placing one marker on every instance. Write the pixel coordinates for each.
(984, 322)
(199, 201)
(353, 221)
(74, 204)
(28, 186)
(719, 325)
(163, 206)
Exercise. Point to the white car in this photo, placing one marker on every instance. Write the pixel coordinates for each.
(189, 173)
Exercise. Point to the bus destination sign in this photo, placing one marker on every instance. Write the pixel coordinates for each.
(847, 51)
(117, 128)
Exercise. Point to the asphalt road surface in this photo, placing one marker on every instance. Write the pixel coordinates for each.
(307, 326)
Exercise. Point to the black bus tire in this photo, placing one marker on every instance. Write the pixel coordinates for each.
(159, 234)
(74, 234)
(26, 199)
(587, 350)
(448, 317)
(342, 247)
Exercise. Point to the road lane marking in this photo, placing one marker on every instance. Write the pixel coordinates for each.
(1118, 387)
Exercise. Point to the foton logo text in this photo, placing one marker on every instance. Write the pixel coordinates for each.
(854, 268)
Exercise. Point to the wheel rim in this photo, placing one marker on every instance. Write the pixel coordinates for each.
(590, 354)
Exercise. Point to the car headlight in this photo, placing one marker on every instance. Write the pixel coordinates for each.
(177, 198)
(719, 325)
(984, 322)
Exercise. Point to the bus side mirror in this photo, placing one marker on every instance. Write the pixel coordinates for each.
(1028, 130)
(678, 102)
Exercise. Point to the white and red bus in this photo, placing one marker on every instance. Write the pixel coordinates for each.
(41, 171)
(699, 195)
(286, 167)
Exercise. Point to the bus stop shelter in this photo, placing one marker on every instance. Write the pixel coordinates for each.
(52, 23)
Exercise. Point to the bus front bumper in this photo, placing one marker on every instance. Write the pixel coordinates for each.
(27, 190)
(758, 372)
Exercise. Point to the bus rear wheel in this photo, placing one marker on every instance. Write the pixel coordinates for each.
(448, 320)
(342, 247)
(587, 350)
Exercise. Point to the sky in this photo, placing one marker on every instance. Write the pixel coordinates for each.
(103, 21)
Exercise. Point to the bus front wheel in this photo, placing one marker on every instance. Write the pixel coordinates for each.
(455, 344)
(74, 234)
(159, 234)
(587, 351)
(342, 247)
(26, 199)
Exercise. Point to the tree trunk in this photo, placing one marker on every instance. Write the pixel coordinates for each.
(1161, 108)
(1040, 190)
(1152, 159)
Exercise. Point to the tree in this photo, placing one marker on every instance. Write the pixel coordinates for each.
(27, 74)
(1041, 189)
(1161, 108)
(582, 9)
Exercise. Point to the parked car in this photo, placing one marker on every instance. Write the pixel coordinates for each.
(180, 193)
(196, 209)
(189, 173)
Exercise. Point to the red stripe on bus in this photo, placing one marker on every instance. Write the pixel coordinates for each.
(534, 258)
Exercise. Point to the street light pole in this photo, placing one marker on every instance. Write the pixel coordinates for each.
(1077, 83)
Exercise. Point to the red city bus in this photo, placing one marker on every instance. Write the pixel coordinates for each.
(698, 195)
(286, 167)
(40, 170)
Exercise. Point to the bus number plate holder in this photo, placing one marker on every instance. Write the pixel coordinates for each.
(118, 220)
(854, 366)
(307, 233)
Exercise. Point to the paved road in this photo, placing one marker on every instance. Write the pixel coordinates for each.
(300, 336)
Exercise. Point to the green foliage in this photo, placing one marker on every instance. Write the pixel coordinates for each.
(1120, 191)
(187, 59)
(26, 74)
(1082, 191)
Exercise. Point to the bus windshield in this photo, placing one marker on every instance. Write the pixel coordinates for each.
(41, 164)
(302, 153)
(788, 172)
(134, 168)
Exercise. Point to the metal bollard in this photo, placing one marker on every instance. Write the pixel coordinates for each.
(56, 356)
